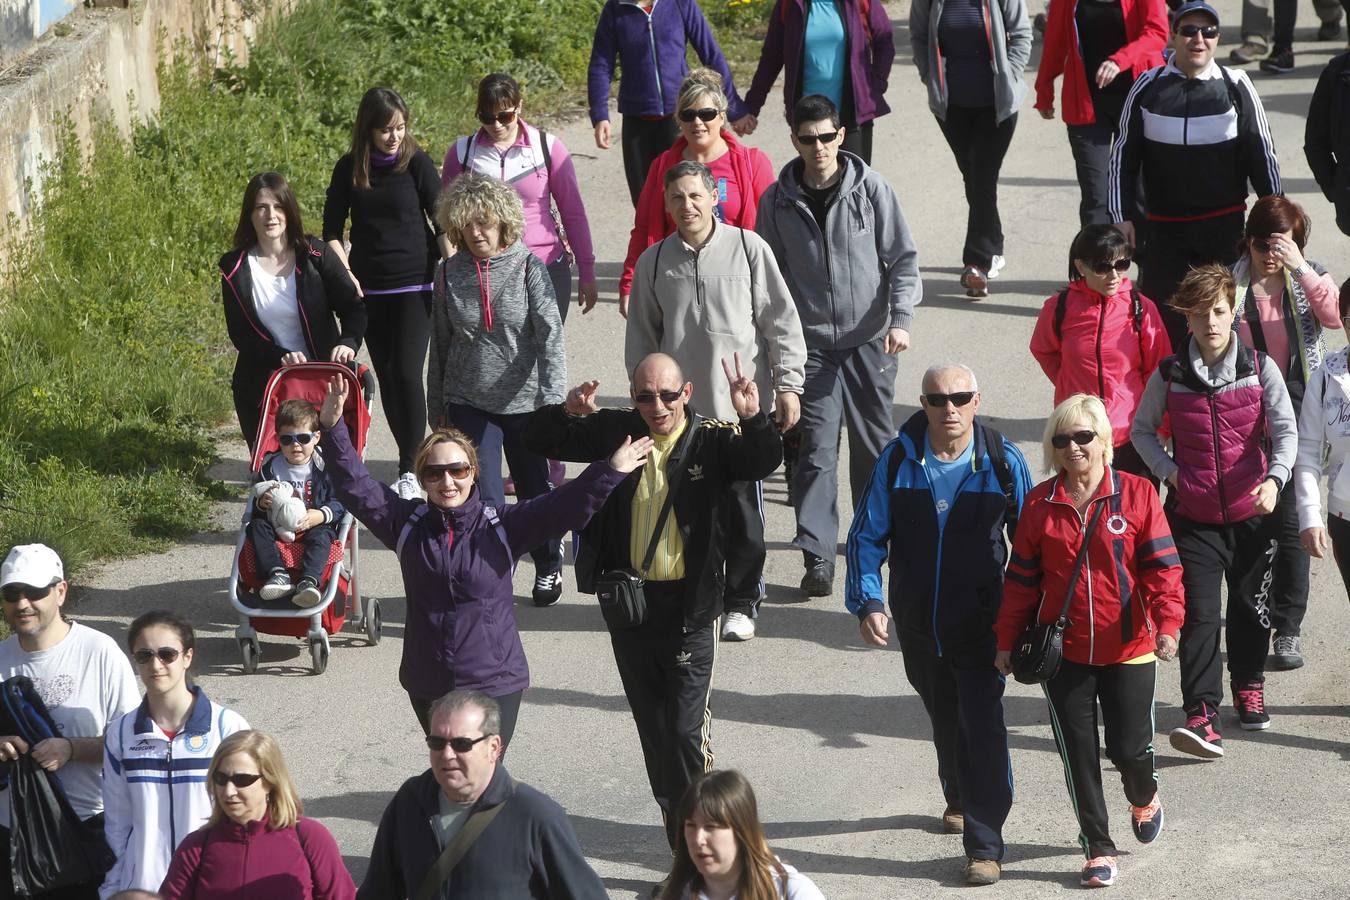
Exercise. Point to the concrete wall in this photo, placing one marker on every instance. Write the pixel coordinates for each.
(103, 62)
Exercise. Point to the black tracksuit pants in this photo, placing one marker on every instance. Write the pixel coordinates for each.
(963, 694)
(1338, 530)
(1125, 692)
(1289, 590)
(397, 330)
(1171, 248)
(745, 551)
(979, 144)
(643, 140)
(667, 677)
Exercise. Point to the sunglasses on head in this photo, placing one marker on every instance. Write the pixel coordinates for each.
(300, 437)
(166, 655)
(1060, 441)
(707, 114)
(456, 470)
(1105, 268)
(960, 398)
(1208, 32)
(505, 117)
(14, 592)
(436, 743)
(825, 137)
(646, 398)
(240, 780)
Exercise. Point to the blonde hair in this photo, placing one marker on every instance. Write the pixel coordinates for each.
(1084, 407)
(284, 807)
(473, 195)
(444, 436)
(1203, 287)
(702, 83)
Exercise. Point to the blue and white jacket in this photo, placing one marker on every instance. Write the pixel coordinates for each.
(946, 583)
(154, 789)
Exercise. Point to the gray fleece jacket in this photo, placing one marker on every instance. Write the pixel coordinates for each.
(858, 279)
(496, 338)
(1009, 32)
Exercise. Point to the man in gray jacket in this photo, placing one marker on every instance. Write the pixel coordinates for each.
(840, 238)
(708, 293)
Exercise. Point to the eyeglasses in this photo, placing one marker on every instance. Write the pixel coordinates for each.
(240, 780)
(301, 437)
(505, 117)
(166, 655)
(1106, 268)
(669, 398)
(825, 137)
(15, 592)
(960, 398)
(1261, 244)
(436, 743)
(456, 470)
(1060, 441)
(1208, 32)
(707, 114)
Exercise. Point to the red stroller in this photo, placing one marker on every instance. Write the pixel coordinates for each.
(341, 596)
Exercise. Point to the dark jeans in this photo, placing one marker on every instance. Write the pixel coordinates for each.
(745, 551)
(1125, 693)
(979, 145)
(397, 330)
(1339, 531)
(1170, 249)
(643, 140)
(1289, 591)
(858, 141)
(497, 433)
(87, 890)
(510, 707)
(1091, 146)
(963, 694)
(1243, 555)
(667, 677)
(318, 542)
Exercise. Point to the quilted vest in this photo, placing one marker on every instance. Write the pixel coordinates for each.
(1218, 439)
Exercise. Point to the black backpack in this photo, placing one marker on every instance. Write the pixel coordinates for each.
(993, 441)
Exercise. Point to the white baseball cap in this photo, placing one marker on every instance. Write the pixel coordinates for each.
(34, 564)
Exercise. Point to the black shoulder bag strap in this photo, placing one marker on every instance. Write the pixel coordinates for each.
(675, 467)
(998, 460)
(1078, 562)
(454, 851)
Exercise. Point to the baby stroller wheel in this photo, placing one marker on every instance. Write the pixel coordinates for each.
(371, 621)
(318, 654)
(248, 649)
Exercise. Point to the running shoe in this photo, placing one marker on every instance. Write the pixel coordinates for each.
(278, 585)
(982, 871)
(1147, 821)
(407, 487)
(819, 578)
(1250, 699)
(1279, 62)
(996, 265)
(1100, 871)
(975, 282)
(547, 588)
(307, 593)
(1250, 51)
(1200, 735)
(1286, 654)
(737, 626)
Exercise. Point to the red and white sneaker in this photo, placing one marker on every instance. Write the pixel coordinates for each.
(1100, 871)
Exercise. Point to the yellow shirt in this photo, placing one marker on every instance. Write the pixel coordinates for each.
(650, 496)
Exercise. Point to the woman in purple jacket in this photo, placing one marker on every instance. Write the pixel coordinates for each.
(457, 555)
(647, 38)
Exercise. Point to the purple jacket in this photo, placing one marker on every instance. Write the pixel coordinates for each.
(461, 621)
(869, 61)
(650, 50)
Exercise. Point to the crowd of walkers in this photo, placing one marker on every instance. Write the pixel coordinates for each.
(1196, 411)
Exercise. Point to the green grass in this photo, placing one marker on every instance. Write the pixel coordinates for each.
(114, 363)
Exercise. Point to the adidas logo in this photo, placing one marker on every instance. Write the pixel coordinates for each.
(695, 472)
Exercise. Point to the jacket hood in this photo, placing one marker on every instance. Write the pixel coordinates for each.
(852, 172)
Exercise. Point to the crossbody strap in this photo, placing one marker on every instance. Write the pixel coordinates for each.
(454, 851)
(1079, 561)
(676, 467)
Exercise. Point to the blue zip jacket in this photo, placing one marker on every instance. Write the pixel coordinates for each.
(945, 584)
(650, 48)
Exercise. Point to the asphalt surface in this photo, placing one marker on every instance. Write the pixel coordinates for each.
(835, 742)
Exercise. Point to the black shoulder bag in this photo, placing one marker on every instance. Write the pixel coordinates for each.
(459, 845)
(1040, 649)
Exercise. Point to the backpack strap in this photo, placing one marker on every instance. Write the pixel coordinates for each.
(548, 154)
(998, 458)
(490, 513)
(893, 463)
(468, 152)
(749, 265)
(408, 526)
(1061, 309)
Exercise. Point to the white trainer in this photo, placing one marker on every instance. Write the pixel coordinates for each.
(737, 626)
(996, 265)
(407, 487)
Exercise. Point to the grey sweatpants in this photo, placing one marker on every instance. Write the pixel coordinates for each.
(1256, 21)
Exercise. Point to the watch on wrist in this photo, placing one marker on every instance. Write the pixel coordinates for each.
(1303, 269)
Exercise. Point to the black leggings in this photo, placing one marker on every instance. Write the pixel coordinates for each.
(1338, 530)
(397, 330)
(643, 140)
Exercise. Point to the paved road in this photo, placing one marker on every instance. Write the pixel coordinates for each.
(830, 734)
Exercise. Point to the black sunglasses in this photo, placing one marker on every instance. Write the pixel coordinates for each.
(302, 438)
(436, 743)
(707, 114)
(1060, 441)
(825, 137)
(240, 780)
(456, 470)
(960, 398)
(646, 398)
(1260, 244)
(14, 592)
(145, 654)
(1209, 32)
(1120, 265)
(506, 117)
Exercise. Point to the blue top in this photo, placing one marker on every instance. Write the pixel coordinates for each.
(825, 53)
(964, 42)
(945, 478)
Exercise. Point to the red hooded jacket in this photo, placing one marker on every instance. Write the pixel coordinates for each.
(1145, 37)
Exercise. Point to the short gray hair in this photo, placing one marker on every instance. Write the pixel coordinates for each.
(938, 368)
(454, 701)
(688, 168)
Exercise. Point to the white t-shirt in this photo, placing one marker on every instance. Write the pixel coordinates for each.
(296, 476)
(799, 887)
(87, 683)
(278, 307)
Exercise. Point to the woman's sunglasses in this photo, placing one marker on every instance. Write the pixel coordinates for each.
(1060, 441)
(1260, 244)
(707, 114)
(240, 780)
(505, 117)
(302, 438)
(456, 470)
(1106, 268)
(436, 743)
(166, 655)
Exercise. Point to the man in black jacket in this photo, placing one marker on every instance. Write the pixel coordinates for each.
(1326, 136)
(666, 661)
(524, 845)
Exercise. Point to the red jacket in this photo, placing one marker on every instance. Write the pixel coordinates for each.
(229, 860)
(753, 172)
(1099, 351)
(1132, 554)
(1145, 37)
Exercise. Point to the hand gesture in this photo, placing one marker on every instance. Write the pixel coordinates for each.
(602, 135)
(631, 454)
(587, 293)
(1167, 648)
(342, 354)
(1286, 251)
(874, 629)
(293, 358)
(334, 402)
(744, 391)
(1266, 494)
(1314, 540)
(581, 399)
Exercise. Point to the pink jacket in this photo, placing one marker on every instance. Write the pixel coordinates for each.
(1099, 351)
(229, 860)
(522, 166)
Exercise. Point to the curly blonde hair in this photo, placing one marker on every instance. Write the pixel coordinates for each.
(473, 195)
(702, 83)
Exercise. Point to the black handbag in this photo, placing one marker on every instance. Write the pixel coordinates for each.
(1040, 649)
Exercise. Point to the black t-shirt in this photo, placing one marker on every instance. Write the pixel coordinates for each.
(1101, 32)
(819, 200)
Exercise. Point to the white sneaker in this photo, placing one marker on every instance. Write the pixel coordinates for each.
(737, 626)
(407, 487)
(996, 265)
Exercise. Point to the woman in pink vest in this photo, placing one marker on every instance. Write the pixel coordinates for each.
(1234, 442)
